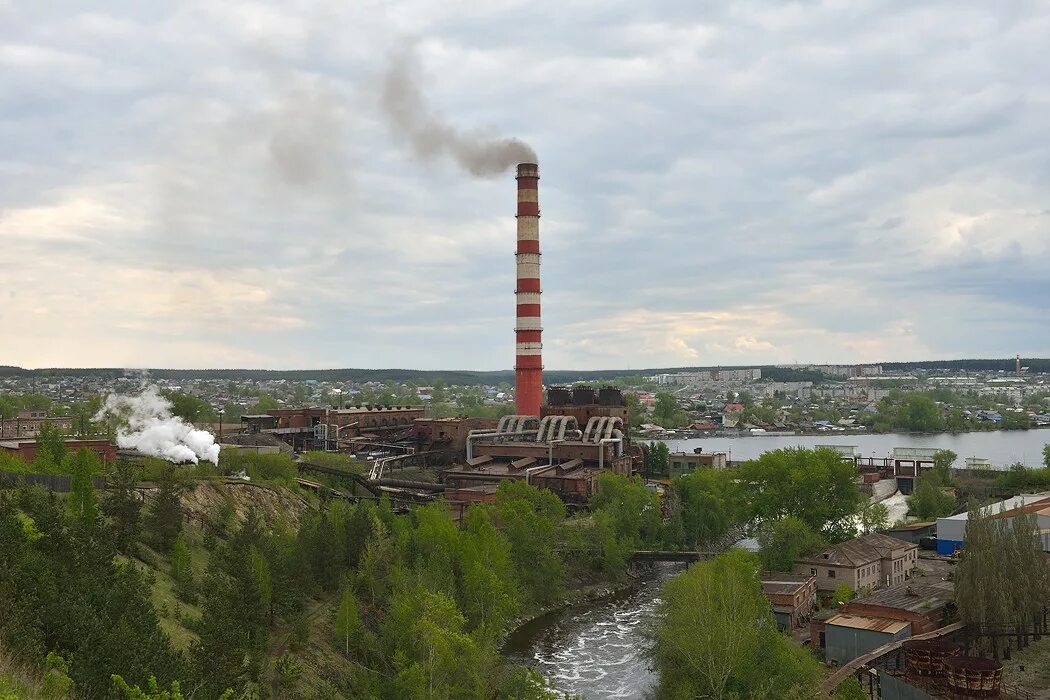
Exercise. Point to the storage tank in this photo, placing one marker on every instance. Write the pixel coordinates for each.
(973, 677)
(584, 396)
(558, 396)
(925, 657)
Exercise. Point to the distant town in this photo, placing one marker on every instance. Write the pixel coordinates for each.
(957, 396)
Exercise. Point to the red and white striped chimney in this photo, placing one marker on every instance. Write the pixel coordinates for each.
(528, 366)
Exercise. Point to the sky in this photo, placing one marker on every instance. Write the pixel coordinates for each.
(216, 184)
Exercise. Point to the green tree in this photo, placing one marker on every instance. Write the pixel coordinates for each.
(666, 412)
(1002, 579)
(531, 519)
(191, 408)
(929, 500)
(874, 517)
(1046, 456)
(181, 565)
(164, 513)
(657, 459)
(843, 594)
(265, 403)
(634, 509)
(815, 486)
(783, 541)
(51, 450)
(942, 466)
(635, 410)
(705, 505)
(715, 637)
(122, 506)
(153, 691)
(82, 501)
(347, 620)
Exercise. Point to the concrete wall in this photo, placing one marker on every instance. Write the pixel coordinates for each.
(843, 644)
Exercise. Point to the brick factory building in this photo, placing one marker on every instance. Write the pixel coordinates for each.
(27, 424)
(25, 449)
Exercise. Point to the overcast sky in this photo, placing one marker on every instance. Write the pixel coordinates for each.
(214, 184)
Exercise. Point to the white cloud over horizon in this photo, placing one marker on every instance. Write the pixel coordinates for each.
(214, 185)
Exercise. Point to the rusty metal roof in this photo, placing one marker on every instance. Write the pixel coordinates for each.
(860, 622)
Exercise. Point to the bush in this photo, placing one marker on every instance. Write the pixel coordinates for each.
(259, 467)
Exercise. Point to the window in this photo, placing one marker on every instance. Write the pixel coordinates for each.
(831, 573)
(812, 572)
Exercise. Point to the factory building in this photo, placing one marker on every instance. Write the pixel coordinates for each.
(27, 424)
(951, 531)
(574, 437)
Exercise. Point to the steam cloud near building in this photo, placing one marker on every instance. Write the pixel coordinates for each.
(147, 425)
(431, 136)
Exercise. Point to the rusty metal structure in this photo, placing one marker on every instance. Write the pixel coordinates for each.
(528, 331)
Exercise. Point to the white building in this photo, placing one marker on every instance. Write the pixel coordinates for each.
(951, 531)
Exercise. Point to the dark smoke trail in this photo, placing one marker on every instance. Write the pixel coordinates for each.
(431, 137)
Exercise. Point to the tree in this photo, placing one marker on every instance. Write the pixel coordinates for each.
(666, 412)
(783, 541)
(1046, 455)
(657, 459)
(708, 505)
(635, 410)
(190, 408)
(51, 450)
(874, 517)
(122, 506)
(531, 519)
(1002, 579)
(181, 565)
(942, 466)
(715, 637)
(929, 500)
(164, 514)
(82, 502)
(816, 486)
(634, 510)
(347, 620)
(843, 594)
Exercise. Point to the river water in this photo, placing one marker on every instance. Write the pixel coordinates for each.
(1002, 447)
(595, 650)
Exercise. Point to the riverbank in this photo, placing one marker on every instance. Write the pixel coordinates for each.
(585, 595)
(596, 649)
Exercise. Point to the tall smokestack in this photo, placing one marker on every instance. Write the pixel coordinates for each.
(528, 366)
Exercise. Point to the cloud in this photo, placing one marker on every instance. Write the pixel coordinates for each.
(210, 184)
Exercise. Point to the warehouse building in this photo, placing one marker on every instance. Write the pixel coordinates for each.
(951, 531)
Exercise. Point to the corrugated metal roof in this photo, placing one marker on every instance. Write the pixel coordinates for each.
(875, 624)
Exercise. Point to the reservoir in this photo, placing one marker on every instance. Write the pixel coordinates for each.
(1002, 447)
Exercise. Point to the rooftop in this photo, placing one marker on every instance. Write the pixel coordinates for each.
(1022, 501)
(875, 624)
(920, 595)
(859, 551)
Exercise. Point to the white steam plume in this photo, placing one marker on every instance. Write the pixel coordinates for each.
(146, 425)
(431, 136)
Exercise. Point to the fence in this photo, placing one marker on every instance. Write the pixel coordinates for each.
(62, 483)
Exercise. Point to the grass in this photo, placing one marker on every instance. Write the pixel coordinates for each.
(1036, 662)
(17, 682)
(173, 612)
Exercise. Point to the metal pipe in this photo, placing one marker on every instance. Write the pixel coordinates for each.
(601, 449)
(473, 435)
(550, 461)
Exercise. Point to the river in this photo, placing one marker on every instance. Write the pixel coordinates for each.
(595, 650)
(1002, 447)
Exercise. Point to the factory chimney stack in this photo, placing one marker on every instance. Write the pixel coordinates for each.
(528, 366)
